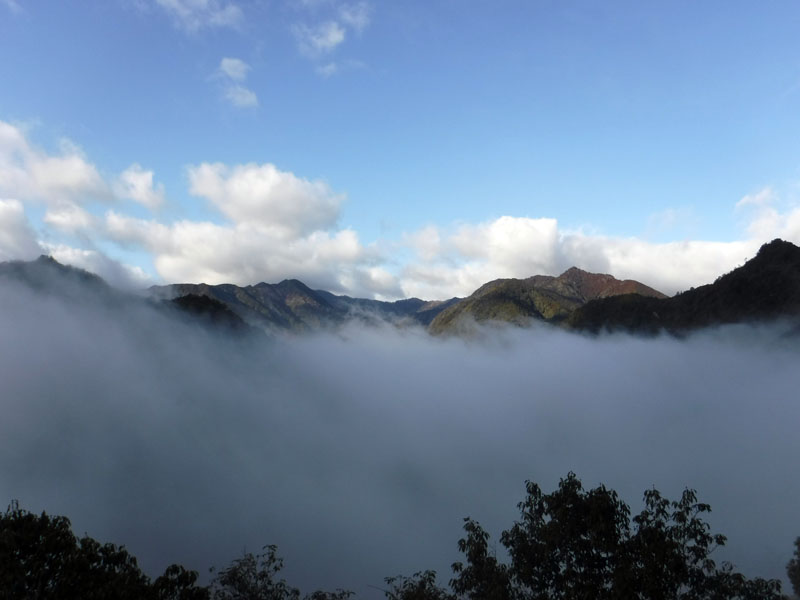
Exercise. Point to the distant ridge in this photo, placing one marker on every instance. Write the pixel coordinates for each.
(47, 274)
(293, 306)
(765, 288)
(541, 297)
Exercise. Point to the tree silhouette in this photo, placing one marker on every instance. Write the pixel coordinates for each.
(793, 568)
(420, 586)
(40, 557)
(255, 577)
(571, 544)
(576, 544)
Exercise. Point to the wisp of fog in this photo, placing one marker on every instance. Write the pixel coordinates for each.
(359, 452)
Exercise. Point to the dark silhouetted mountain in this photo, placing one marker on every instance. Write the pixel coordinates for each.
(765, 288)
(210, 313)
(292, 306)
(45, 274)
(541, 297)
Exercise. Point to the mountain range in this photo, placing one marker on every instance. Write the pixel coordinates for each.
(293, 306)
(766, 288)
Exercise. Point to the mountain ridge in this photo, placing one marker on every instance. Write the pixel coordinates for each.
(291, 305)
(540, 297)
(765, 288)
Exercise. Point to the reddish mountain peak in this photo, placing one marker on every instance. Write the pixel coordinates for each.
(600, 285)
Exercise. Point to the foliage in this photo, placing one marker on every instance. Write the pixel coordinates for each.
(575, 544)
(420, 586)
(40, 557)
(568, 544)
(571, 544)
(482, 577)
(255, 577)
(793, 568)
(179, 584)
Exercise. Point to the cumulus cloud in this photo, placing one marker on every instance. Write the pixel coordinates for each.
(234, 68)
(457, 262)
(266, 197)
(28, 173)
(66, 183)
(70, 218)
(233, 72)
(194, 15)
(137, 184)
(114, 272)
(241, 97)
(17, 239)
(766, 219)
(243, 253)
(281, 225)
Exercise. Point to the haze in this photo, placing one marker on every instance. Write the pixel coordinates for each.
(359, 453)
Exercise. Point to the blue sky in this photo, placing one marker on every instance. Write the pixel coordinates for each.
(392, 149)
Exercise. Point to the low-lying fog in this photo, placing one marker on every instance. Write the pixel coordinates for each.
(359, 454)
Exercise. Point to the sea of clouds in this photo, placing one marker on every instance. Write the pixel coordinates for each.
(359, 453)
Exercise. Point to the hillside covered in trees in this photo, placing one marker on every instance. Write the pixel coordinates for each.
(570, 544)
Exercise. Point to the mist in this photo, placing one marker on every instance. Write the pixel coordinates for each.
(359, 453)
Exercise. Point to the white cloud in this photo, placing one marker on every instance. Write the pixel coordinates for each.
(263, 196)
(191, 251)
(328, 70)
(760, 198)
(27, 172)
(356, 16)
(458, 263)
(234, 68)
(17, 239)
(137, 184)
(241, 97)
(194, 15)
(70, 218)
(427, 242)
(234, 71)
(281, 226)
(335, 67)
(112, 271)
(766, 221)
(319, 40)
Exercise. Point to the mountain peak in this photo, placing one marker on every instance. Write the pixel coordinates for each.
(541, 297)
(572, 271)
(766, 287)
(46, 259)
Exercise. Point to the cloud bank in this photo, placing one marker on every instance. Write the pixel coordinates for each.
(359, 454)
(264, 223)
